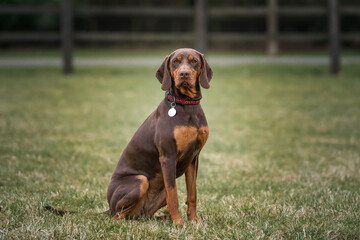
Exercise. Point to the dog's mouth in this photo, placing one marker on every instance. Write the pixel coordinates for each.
(185, 84)
(187, 89)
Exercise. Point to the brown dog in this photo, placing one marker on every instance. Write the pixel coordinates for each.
(166, 145)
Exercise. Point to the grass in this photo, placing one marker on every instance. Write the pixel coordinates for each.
(282, 160)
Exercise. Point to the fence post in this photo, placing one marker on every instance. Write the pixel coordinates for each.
(201, 25)
(67, 35)
(272, 28)
(334, 36)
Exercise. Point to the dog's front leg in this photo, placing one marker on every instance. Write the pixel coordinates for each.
(168, 168)
(190, 177)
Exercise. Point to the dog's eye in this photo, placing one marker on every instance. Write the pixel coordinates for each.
(193, 61)
(176, 61)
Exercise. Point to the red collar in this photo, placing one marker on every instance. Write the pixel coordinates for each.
(171, 98)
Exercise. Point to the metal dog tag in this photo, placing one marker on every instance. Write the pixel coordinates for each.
(172, 112)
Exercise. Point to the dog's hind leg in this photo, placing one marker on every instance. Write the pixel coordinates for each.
(154, 201)
(128, 197)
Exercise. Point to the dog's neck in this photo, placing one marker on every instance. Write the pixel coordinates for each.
(174, 91)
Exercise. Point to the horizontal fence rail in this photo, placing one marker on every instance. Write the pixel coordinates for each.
(179, 11)
(134, 11)
(166, 37)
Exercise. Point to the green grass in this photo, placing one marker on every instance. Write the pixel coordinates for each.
(282, 160)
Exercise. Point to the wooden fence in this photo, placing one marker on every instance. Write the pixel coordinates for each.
(200, 13)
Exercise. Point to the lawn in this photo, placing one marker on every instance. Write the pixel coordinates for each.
(282, 159)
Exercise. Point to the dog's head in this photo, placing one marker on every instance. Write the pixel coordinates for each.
(185, 69)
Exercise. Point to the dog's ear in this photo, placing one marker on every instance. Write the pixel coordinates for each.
(206, 72)
(163, 74)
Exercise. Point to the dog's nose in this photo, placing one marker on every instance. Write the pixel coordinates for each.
(184, 73)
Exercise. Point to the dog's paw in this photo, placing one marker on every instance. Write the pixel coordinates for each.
(192, 216)
(178, 222)
(195, 219)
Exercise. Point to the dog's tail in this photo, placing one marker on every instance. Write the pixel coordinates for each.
(58, 211)
(63, 212)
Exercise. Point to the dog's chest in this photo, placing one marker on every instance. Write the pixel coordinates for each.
(189, 136)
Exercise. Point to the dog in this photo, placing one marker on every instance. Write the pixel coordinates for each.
(166, 145)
